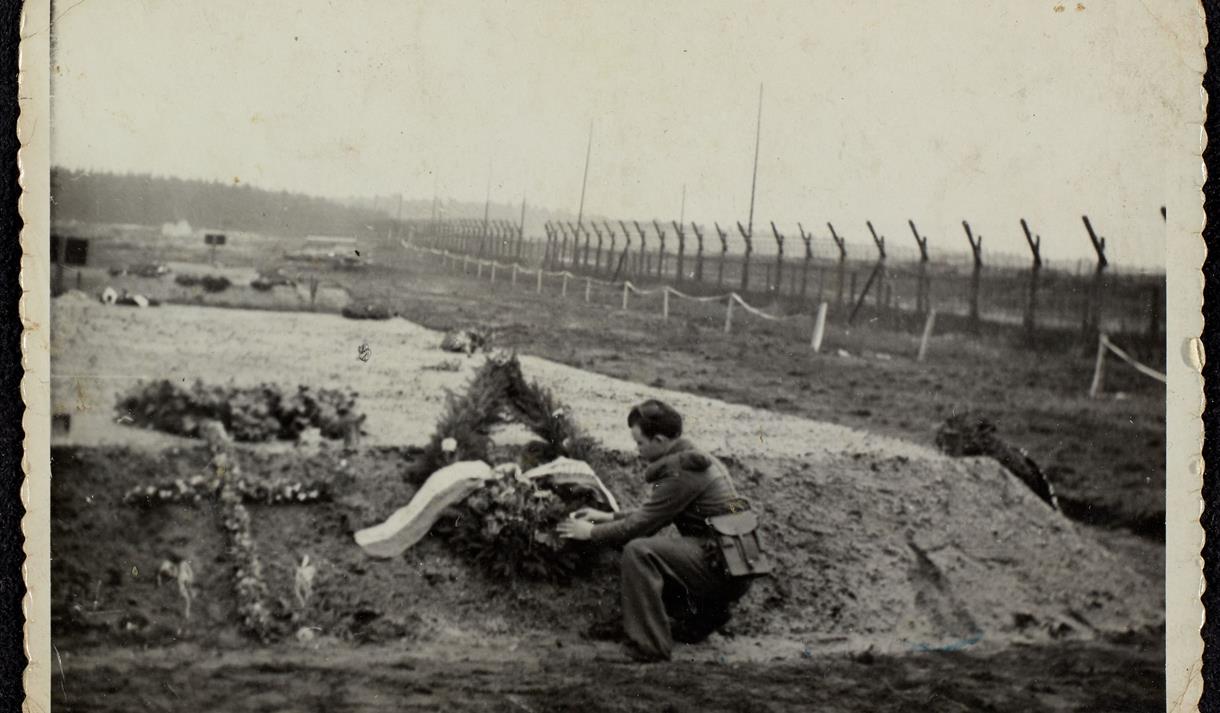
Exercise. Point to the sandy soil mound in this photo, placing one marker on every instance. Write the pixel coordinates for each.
(880, 540)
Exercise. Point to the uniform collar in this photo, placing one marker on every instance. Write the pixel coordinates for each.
(656, 469)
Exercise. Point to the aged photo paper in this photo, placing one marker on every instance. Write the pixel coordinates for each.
(581, 356)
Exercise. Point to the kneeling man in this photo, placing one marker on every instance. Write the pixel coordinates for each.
(687, 487)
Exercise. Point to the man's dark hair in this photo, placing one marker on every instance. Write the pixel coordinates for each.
(656, 418)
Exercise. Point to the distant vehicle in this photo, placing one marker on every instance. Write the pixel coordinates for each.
(142, 270)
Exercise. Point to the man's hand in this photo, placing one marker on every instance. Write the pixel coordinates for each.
(575, 529)
(592, 515)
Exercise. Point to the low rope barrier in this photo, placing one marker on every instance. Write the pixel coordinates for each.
(1105, 345)
(629, 288)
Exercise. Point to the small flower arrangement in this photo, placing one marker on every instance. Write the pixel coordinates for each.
(507, 528)
(251, 414)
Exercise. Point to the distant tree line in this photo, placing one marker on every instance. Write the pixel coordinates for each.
(153, 200)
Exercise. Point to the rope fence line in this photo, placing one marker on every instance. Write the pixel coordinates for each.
(733, 298)
(1104, 345)
(627, 285)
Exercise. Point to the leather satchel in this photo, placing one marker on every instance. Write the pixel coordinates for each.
(735, 536)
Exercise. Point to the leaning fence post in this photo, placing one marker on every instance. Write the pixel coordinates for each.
(841, 244)
(626, 287)
(922, 303)
(779, 260)
(665, 302)
(1092, 321)
(927, 334)
(819, 328)
(728, 314)
(1099, 367)
(724, 250)
(976, 247)
(748, 236)
(1030, 321)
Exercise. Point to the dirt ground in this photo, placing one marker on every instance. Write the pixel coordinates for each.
(915, 581)
(1105, 456)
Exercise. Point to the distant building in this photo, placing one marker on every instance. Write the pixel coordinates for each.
(181, 229)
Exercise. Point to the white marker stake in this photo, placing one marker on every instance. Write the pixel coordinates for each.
(588, 287)
(665, 303)
(539, 288)
(1099, 368)
(478, 272)
(927, 334)
(819, 328)
(564, 291)
(625, 296)
(728, 314)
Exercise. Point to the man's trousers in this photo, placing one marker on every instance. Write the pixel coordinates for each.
(655, 569)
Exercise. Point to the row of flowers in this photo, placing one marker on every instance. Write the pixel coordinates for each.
(197, 488)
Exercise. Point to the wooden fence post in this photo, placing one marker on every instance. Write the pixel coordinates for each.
(922, 301)
(538, 287)
(1092, 321)
(976, 247)
(927, 334)
(584, 258)
(748, 236)
(1099, 367)
(779, 260)
(819, 328)
(806, 238)
(626, 287)
(563, 244)
(1030, 318)
(549, 249)
(597, 258)
(665, 302)
(661, 253)
(728, 315)
(625, 260)
(588, 287)
(880, 273)
(681, 267)
(610, 249)
(724, 251)
(698, 252)
(641, 266)
(841, 244)
(563, 291)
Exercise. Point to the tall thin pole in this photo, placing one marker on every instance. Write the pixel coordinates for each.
(757, 142)
(580, 214)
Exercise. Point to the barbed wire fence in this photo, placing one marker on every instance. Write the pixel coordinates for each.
(888, 285)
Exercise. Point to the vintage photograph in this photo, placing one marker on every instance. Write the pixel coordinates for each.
(539, 356)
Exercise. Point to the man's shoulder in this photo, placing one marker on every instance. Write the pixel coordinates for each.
(694, 460)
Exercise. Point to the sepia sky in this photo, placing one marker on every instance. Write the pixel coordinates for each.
(936, 111)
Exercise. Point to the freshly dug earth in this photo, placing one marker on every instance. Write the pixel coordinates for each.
(1105, 456)
(882, 542)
